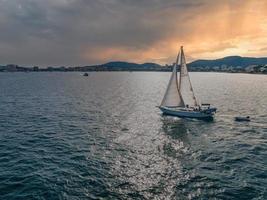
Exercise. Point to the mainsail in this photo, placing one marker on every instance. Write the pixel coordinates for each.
(185, 87)
(172, 97)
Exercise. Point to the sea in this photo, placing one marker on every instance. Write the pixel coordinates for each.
(66, 136)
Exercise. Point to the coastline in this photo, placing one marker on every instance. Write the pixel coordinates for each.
(82, 71)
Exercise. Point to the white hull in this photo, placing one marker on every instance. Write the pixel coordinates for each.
(188, 113)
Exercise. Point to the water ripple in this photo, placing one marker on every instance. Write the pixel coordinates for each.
(64, 136)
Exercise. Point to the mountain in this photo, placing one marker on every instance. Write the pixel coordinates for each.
(226, 64)
(230, 61)
(128, 65)
(120, 64)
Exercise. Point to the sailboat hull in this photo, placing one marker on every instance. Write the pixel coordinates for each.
(187, 113)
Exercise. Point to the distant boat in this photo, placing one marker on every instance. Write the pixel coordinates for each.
(85, 74)
(242, 119)
(179, 99)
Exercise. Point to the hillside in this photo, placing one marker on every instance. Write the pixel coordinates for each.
(127, 65)
(230, 61)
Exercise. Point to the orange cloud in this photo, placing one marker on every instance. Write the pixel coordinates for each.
(213, 30)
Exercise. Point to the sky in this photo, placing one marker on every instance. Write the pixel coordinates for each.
(87, 32)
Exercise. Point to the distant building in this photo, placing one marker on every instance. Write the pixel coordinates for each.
(11, 68)
(50, 69)
(224, 67)
(35, 68)
(62, 68)
(216, 68)
(250, 68)
(263, 69)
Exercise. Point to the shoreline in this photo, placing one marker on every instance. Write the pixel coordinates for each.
(130, 71)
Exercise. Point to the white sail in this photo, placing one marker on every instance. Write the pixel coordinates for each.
(185, 87)
(172, 97)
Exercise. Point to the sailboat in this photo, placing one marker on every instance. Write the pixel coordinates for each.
(179, 99)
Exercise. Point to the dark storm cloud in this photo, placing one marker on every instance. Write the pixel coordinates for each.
(58, 31)
(78, 32)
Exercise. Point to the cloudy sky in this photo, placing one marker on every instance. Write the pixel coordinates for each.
(80, 32)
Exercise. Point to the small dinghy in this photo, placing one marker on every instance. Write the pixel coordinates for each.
(242, 119)
(85, 74)
(179, 99)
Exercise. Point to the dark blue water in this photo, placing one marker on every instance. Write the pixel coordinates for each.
(65, 136)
